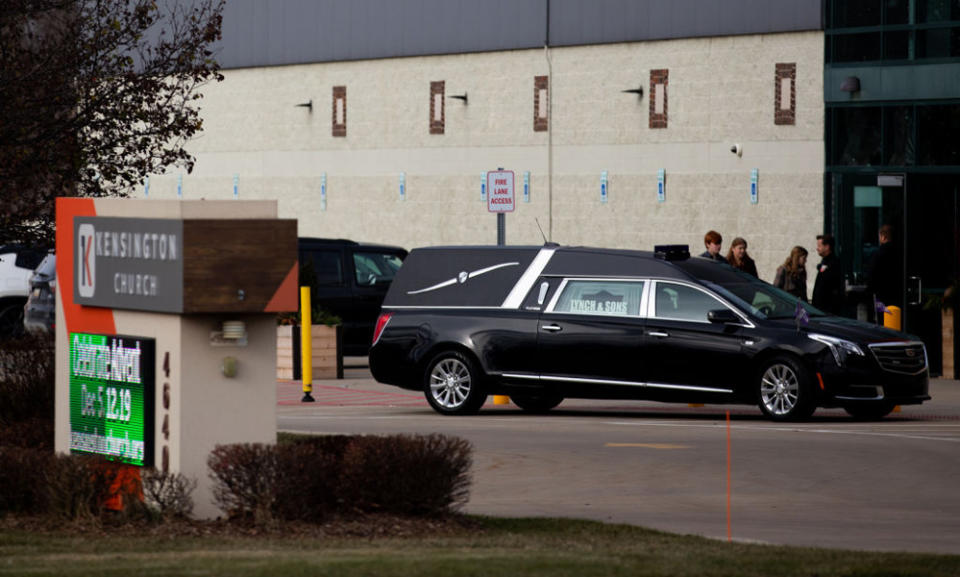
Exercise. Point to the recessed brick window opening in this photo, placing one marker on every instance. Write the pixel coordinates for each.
(785, 93)
(541, 92)
(658, 98)
(437, 117)
(339, 110)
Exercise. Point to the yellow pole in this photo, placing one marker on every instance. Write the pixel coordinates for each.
(891, 318)
(306, 345)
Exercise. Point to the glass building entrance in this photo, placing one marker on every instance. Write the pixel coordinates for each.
(892, 97)
(920, 213)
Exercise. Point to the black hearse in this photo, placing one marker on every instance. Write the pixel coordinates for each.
(541, 324)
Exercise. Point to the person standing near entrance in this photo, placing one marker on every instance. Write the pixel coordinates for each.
(792, 274)
(828, 287)
(712, 241)
(885, 272)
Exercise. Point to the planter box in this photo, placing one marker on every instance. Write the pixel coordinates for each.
(327, 353)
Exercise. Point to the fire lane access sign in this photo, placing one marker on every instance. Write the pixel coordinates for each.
(500, 197)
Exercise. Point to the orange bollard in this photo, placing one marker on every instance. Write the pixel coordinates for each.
(891, 318)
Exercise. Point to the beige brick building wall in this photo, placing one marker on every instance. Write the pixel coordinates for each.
(721, 91)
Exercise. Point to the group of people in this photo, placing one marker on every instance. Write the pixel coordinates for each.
(791, 276)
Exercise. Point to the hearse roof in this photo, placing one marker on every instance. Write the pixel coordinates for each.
(485, 276)
(589, 261)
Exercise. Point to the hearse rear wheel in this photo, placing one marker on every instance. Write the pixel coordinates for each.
(784, 390)
(452, 384)
(536, 403)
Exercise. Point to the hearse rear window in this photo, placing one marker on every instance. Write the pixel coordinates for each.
(592, 297)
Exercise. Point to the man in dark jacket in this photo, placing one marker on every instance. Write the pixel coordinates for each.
(828, 288)
(885, 270)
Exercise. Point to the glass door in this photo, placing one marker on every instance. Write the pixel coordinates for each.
(864, 206)
(921, 212)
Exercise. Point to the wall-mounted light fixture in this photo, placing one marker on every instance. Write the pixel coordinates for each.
(462, 97)
(228, 367)
(737, 149)
(231, 334)
(308, 105)
(850, 84)
(637, 91)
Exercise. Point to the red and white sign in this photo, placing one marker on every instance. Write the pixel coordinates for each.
(500, 196)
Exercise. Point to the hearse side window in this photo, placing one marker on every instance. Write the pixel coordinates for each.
(682, 302)
(595, 297)
(375, 267)
(321, 268)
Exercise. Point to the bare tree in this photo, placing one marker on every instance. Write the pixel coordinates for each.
(94, 96)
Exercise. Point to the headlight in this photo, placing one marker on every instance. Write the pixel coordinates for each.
(839, 347)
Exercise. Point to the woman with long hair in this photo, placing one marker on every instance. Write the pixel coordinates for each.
(739, 259)
(792, 274)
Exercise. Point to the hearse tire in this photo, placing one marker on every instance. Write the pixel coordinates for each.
(785, 389)
(453, 384)
(536, 403)
(869, 411)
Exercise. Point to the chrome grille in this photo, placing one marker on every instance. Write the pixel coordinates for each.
(909, 358)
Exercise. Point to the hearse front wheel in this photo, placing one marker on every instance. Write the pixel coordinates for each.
(452, 384)
(784, 390)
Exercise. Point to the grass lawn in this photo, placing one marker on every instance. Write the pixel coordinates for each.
(480, 546)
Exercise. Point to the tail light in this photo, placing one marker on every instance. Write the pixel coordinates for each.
(382, 321)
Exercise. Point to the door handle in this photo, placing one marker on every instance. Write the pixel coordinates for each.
(914, 290)
(658, 334)
(552, 328)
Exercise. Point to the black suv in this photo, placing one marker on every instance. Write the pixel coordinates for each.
(544, 324)
(349, 280)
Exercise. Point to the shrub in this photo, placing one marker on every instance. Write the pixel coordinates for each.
(26, 380)
(22, 486)
(307, 489)
(407, 475)
(245, 480)
(32, 432)
(168, 494)
(310, 477)
(78, 487)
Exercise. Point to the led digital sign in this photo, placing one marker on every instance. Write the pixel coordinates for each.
(112, 397)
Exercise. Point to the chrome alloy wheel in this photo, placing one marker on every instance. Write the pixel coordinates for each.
(779, 389)
(450, 383)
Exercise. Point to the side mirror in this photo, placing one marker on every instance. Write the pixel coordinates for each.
(723, 316)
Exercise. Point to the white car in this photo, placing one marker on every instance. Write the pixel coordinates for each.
(17, 263)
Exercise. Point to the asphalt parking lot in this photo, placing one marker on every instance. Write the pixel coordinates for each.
(834, 482)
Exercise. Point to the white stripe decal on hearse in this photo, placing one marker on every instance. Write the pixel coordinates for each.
(530, 276)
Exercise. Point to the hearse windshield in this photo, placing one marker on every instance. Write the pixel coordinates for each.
(759, 298)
